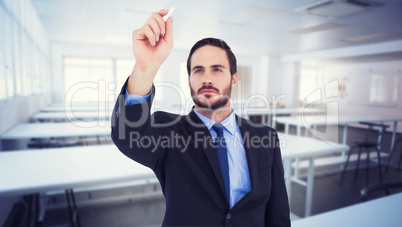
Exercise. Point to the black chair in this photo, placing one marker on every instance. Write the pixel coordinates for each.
(365, 191)
(368, 145)
(52, 143)
(399, 141)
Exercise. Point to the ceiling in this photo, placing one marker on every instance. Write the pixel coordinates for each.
(276, 27)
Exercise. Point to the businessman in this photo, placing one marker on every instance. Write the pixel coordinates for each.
(215, 168)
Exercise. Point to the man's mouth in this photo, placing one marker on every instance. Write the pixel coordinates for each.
(208, 91)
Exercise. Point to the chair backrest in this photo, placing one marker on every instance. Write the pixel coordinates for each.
(375, 129)
(369, 189)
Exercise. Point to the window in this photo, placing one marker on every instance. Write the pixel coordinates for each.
(3, 78)
(309, 82)
(383, 90)
(87, 79)
(24, 51)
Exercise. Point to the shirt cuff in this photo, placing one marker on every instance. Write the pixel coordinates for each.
(133, 100)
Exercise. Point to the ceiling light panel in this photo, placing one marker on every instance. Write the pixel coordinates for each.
(248, 15)
(148, 6)
(336, 9)
(369, 37)
(317, 28)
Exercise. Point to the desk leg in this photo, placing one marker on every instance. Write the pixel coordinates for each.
(310, 184)
(72, 208)
(344, 138)
(297, 159)
(296, 168)
(314, 134)
(42, 206)
(33, 209)
(393, 137)
(288, 177)
(345, 134)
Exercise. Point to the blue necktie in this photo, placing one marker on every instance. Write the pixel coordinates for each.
(222, 153)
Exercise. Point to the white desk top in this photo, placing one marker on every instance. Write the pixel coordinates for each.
(74, 104)
(276, 111)
(31, 171)
(384, 212)
(46, 130)
(39, 170)
(334, 120)
(72, 116)
(300, 147)
(77, 109)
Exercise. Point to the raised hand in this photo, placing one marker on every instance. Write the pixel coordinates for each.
(152, 44)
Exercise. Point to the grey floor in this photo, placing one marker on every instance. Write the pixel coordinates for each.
(328, 195)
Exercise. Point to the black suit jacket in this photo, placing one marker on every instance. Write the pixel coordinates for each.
(190, 175)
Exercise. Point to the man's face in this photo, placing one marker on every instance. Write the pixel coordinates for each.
(210, 80)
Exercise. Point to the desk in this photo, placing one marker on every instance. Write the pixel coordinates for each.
(77, 116)
(34, 171)
(314, 121)
(74, 109)
(45, 131)
(294, 147)
(77, 165)
(269, 114)
(384, 212)
(73, 104)
(56, 130)
(50, 130)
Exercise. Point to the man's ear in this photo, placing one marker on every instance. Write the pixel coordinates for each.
(234, 79)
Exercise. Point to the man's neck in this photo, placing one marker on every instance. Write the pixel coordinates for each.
(217, 115)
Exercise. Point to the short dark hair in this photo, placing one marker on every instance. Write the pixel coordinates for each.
(217, 43)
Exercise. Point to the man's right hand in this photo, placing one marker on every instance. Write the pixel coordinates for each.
(152, 44)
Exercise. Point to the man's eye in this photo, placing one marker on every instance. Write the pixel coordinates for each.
(217, 70)
(198, 71)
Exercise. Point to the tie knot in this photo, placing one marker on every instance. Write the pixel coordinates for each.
(218, 127)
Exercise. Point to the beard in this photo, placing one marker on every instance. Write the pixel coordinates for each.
(219, 101)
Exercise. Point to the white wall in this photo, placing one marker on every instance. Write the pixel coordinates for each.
(19, 110)
(333, 71)
(170, 71)
(283, 86)
(346, 106)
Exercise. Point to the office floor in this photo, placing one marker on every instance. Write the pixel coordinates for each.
(328, 195)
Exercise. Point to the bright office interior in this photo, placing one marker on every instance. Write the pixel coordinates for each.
(343, 56)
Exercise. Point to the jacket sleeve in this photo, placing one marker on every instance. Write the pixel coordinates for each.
(132, 131)
(277, 211)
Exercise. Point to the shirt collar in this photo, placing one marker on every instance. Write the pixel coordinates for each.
(229, 122)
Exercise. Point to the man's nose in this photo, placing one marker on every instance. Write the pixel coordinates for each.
(207, 80)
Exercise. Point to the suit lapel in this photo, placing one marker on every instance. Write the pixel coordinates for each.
(194, 124)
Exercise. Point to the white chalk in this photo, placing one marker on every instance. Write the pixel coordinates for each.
(169, 13)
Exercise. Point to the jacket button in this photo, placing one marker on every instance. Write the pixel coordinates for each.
(228, 216)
